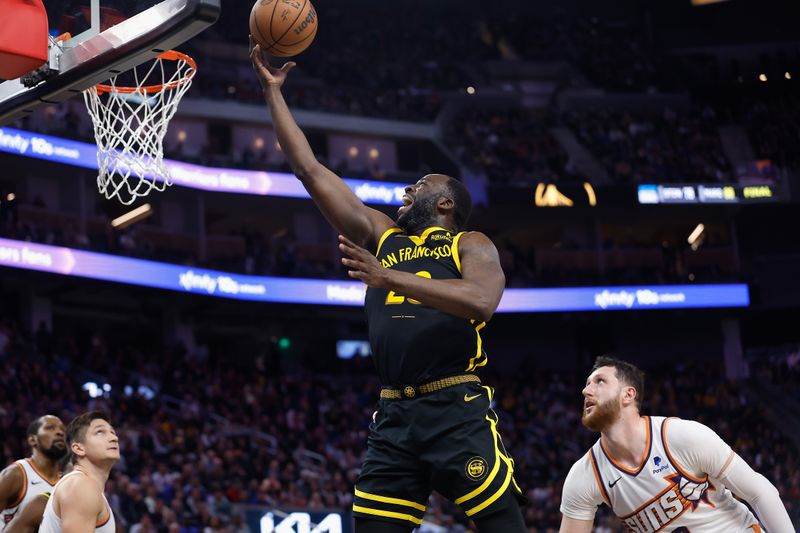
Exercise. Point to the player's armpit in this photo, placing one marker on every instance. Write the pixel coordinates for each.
(27, 520)
(11, 486)
(80, 505)
(571, 525)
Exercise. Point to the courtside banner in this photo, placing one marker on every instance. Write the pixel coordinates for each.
(229, 180)
(92, 265)
(262, 519)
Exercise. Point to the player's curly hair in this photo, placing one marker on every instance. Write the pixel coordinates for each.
(628, 373)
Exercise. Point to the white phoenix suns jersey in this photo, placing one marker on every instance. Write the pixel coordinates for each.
(51, 523)
(34, 483)
(676, 487)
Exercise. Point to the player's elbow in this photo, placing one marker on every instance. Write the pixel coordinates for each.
(306, 170)
(483, 304)
(482, 309)
(766, 491)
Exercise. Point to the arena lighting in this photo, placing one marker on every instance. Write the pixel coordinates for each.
(470, 90)
(258, 143)
(182, 135)
(548, 195)
(694, 237)
(787, 75)
(590, 193)
(215, 283)
(132, 217)
(762, 77)
(11, 197)
(227, 180)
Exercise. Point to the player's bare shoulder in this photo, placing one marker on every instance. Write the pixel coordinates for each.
(11, 483)
(475, 242)
(476, 238)
(78, 489)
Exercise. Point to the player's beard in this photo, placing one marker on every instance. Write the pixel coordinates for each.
(603, 415)
(419, 216)
(55, 452)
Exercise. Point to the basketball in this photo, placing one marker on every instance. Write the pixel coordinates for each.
(283, 27)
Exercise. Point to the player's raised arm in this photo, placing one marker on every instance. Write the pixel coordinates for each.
(475, 296)
(343, 209)
(85, 504)
(11, 485)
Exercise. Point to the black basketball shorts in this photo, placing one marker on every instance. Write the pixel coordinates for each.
(445, 441)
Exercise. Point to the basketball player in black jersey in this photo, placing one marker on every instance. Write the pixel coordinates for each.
(431, 289)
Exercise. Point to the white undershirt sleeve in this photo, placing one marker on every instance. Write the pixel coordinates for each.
(581, 494)
(700, 452)
(762, 495)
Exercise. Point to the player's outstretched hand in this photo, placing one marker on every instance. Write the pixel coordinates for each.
(362, 264)
(268, 75)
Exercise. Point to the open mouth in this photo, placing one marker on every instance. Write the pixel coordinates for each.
(587, 405)
(407, 201)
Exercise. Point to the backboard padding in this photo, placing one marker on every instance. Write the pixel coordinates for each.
(117, 49)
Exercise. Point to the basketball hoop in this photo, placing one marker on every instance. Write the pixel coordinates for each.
(130, 123)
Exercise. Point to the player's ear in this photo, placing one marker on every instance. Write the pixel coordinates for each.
(77, 449)
(445, 203)
(32, 440)
(629, 395)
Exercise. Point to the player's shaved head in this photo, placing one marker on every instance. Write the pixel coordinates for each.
(424, 211)
(46, 434)
(33, 427)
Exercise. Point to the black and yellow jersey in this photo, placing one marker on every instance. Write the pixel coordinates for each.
(411, 342)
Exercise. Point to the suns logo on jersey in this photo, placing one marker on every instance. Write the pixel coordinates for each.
(681, 495)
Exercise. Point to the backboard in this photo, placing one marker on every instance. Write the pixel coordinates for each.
(108, 37)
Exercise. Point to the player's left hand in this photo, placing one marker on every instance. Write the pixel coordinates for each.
(362, 264)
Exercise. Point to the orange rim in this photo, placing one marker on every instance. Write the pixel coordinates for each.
(170, 55)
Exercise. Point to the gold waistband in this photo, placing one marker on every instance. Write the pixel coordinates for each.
(412, 391)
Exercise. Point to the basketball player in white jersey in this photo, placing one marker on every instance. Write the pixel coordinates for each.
(24, 480)
(660, 474)
(29, 516)
(77, 504)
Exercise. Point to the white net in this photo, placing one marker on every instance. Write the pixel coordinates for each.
(130, 123)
